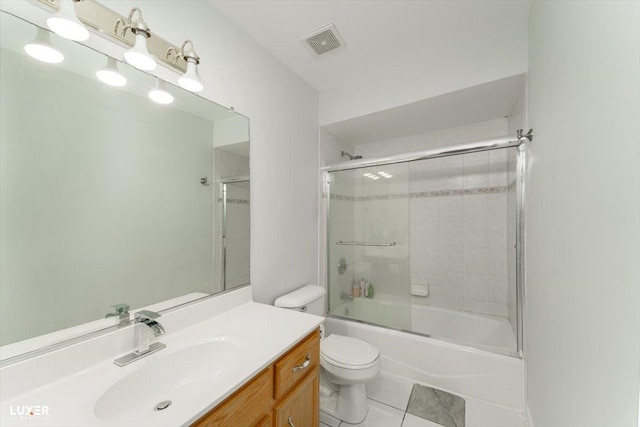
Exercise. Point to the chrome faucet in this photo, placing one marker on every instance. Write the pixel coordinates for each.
(121, 312)
(145, 326)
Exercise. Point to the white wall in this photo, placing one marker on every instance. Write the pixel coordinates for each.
(283, 113)
(503, 54)
(583, 237)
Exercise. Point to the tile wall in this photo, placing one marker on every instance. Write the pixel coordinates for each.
(457, 219)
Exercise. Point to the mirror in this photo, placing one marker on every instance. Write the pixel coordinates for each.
(107, 197)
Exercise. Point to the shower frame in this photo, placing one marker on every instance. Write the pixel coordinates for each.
(223, 240)
(509, 141)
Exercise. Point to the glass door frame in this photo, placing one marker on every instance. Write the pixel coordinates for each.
(223, 224)
(520, 142)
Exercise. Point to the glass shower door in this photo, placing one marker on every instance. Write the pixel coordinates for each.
(368, 245)
(235, 234)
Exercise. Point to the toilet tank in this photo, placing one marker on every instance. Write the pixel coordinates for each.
(309, 299)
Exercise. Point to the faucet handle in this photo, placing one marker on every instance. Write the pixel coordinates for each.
(143, 315)
(121, 308)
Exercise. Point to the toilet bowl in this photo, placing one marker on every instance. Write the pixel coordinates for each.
(346, 363)
(349, 363)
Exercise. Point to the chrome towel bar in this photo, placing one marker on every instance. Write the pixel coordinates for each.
(340, 242)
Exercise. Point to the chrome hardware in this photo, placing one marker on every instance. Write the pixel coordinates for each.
(342, 266)
(303, 308)
(305, 365)
(183, 52)
(340, 242)
(162, 405)
(528, 135)
(137, 26)
(290, 422)
(346, 297)
(145, 326)
(432, 153)
(121, 312)
(204, 181)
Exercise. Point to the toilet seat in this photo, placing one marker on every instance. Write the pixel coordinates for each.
(348, 353)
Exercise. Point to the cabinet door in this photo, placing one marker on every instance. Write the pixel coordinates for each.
(245, 406)
(265, 422)
(300, 407)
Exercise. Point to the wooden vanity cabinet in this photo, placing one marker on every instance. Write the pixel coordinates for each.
(299, 408)
(283, 395)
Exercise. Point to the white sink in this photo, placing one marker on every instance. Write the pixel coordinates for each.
(174, 377)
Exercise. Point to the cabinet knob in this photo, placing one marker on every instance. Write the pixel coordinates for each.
(305, 365)
(291, 422)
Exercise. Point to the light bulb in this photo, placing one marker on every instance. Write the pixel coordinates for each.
(65, 22)
(110, 74)
(138, 55)
(159, 94)
(190, 80)
(41, 49)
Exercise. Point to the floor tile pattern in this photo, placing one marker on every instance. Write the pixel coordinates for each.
(396, 401)
(436, 405)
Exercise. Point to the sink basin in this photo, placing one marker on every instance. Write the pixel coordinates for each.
(175, 377)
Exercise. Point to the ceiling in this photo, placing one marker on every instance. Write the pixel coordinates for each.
(387, 33)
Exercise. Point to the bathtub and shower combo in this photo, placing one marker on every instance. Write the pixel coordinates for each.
(424, 261)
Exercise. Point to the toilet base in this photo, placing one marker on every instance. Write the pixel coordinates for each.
(348, 404)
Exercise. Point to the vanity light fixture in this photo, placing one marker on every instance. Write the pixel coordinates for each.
(41, 48)
(138, 55)
(65, 22)
(189, 80)
(159, 94)
(74, 18)
(111, 75)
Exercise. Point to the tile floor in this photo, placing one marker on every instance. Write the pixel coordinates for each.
(389, 397)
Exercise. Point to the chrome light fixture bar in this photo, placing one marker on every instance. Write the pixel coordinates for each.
(103, 20)
(138, 55)
(189, 80)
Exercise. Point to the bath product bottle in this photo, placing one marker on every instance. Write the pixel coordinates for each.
(356, 289)
(363, 287)
(370, 290)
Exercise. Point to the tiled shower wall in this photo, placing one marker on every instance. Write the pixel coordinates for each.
(457, 219)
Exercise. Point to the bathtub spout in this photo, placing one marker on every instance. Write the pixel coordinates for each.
(346, 297)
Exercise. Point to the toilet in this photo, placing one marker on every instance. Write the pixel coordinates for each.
(346, 363)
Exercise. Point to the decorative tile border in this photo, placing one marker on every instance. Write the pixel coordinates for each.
(419, 195)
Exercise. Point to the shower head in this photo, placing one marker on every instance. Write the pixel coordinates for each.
(344, 153)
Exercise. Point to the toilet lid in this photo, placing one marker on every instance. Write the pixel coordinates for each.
(348, 351)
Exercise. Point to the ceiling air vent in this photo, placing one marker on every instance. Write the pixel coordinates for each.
(324, 40)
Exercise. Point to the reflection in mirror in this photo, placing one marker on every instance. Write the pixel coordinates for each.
(107, 197)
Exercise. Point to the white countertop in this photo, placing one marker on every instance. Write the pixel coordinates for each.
(265, 333)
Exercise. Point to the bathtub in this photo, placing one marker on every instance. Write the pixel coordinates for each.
(488, 333)
(462, 370)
